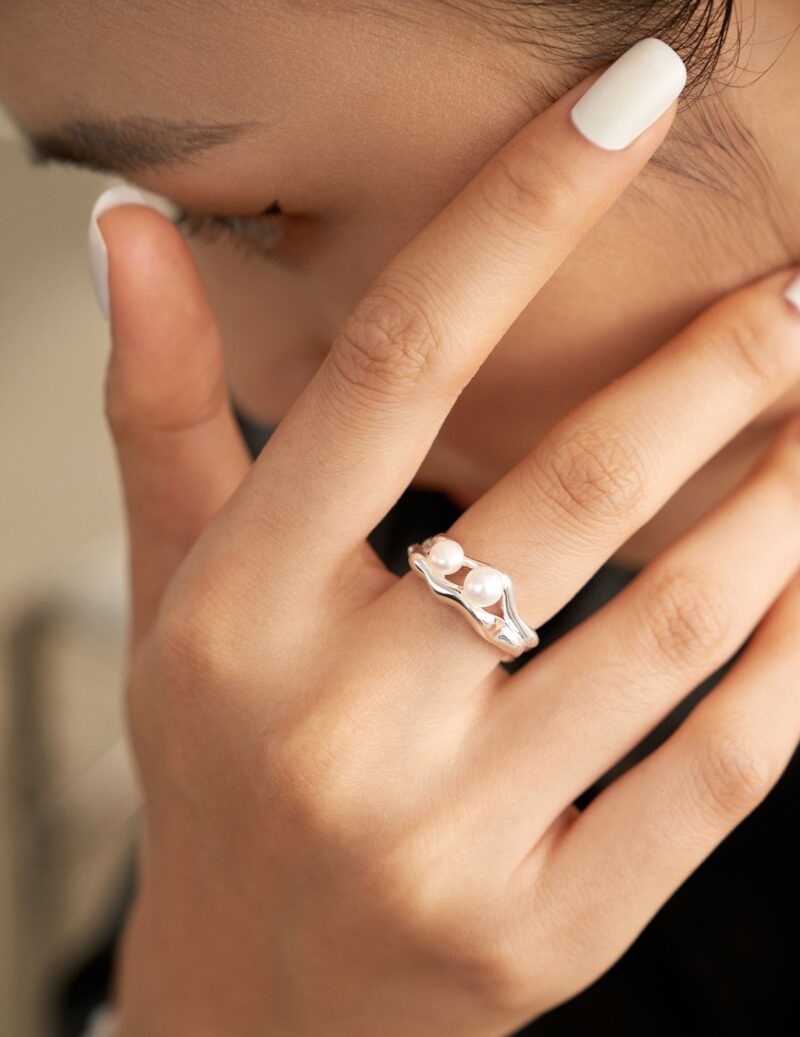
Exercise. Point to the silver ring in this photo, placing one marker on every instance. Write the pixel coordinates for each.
(483, 587)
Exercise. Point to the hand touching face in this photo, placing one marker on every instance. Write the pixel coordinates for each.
(361, 127)
(354, 821)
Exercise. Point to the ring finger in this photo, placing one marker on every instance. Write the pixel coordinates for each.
(606, 468)
(594, 694)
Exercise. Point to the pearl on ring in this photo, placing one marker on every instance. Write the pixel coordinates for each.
(446, 557)
(483, 586)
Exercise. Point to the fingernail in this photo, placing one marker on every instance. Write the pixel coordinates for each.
(98, 253)
(792, 293)
(630, 95)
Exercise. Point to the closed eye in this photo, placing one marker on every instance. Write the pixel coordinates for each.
(257, 235)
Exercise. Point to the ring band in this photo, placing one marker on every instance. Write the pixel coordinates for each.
(484, 586)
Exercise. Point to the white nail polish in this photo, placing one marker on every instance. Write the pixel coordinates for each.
(792, 293)
(630, 95)
(98, 254)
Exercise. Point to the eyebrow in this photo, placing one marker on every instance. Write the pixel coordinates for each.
(132, 144)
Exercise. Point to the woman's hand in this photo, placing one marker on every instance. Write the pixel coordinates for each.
(355, 822)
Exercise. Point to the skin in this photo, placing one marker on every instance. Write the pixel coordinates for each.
(343, 159)
(327, 847)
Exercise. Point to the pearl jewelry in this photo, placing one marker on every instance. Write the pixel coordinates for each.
(446, 557)
(483, 586)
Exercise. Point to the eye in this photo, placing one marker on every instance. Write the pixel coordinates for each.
(253, 234)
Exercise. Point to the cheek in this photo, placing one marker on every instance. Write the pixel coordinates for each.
(618, 297)
(631, 286)
(597, 317)
(278, 323)
(273, 339)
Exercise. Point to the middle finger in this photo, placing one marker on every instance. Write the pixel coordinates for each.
(354, 439)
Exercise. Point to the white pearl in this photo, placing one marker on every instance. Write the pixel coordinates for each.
(446, 557)
(483, 586)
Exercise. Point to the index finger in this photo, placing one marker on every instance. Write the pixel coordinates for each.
(358, 433)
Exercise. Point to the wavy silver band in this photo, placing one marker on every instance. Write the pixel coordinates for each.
(508, 631)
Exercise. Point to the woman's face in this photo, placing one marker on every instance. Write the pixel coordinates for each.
(363, 121)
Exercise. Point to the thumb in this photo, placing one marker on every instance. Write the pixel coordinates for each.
(179, 450)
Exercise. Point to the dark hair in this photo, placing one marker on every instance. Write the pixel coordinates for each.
(574, 34)
(711, 151)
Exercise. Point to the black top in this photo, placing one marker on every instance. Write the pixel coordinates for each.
(718, 959)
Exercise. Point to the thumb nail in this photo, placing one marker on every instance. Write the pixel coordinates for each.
(121, 194)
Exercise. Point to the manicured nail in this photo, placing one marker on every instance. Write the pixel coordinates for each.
(98, 253)
(630, 95)
(792, 293)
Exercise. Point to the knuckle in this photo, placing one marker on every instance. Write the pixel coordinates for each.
(746, 343)
(457, 924)
(501, 979)
(178, 631)
(686, 619)
(315, 772)
(729, 773)
(525, 194)
(465, 936)
(389, 343)
(488, 962)
(408, 888)
(452, 921)
(449, 922)
(594, 474)
(192, 640)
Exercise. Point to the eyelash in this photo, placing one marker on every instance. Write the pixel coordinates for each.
(246, 232)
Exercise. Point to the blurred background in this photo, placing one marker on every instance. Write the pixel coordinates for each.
(67, 799)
